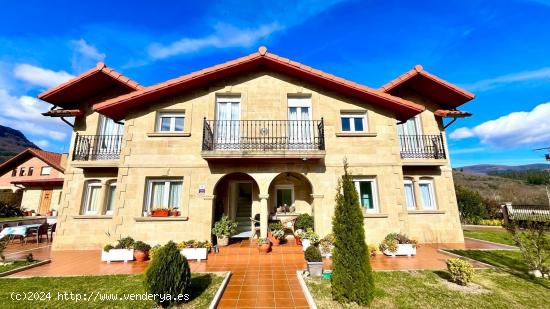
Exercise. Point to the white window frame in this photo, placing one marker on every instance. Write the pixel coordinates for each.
(30, 171)
(172, 116)
(22, 172)
(87, 196)
(374, 188)
(411, 183)
(47, 168)
(107, 211)
(167, 182)
(352, 116)
(431, 187)
(291, 187)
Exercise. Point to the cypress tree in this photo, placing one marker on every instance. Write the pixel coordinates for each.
(352, 279)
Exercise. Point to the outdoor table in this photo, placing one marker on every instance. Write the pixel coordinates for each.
(20, 230)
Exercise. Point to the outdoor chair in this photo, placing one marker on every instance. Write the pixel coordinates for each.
(51, 229)
(255, 226)
(39, 232)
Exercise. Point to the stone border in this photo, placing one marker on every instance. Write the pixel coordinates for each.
(466, 258)
(219, 293)
(305, 290)
(22, 268)
(481, 227)
(508, 247)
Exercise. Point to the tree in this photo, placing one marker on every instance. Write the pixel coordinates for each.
(352, 279)
(470, 205)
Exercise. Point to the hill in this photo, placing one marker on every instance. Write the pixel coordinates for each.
(491, 168)
(498, 190)
(12, 142)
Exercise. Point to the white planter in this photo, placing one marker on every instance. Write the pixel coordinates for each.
(402, 249)
(195, 253)
(305, 244)
(536, 273)
(315, 269)
(117, 255)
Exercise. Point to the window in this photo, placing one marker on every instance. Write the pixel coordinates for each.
(427, 195)
(14, 172)
(409, 194)
(163, 194)
(111, 198)
(91, 197)
(353, 122)
(31, 170)
(285, 195)
(170, 122)
(366, 189)
(22, 171)
(46, 170)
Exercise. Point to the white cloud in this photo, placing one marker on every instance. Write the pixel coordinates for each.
(85, 55)
(39, 76)
(42, 143)
(515, 129)
(24, 113)
(467, 150)
(486, 84)
(224, 36)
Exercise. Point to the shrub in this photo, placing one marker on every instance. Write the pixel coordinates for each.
(311, 236)
(492, 222)
(313, 254)
(225, 227)
(195, 244)
(533, 244)
(141, 246)
(168, 274)
(304, 222)
(10, 210)
(470, 204)
(326, 244)
(460, 270)
(29, 258)
(275, 226)
(108, 248)
(153, 252)
(392, 241)
(3, 245)
(125, 243)
(263, 241)
(278, 234)
(373, 250)
(352, 279)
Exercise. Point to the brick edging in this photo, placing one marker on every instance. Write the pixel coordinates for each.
(219, 293)
(511, 248)
(465, 258)
(305, 290)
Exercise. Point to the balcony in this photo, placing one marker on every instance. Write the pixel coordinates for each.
(97, 147)
(422, 147)
(303, 139)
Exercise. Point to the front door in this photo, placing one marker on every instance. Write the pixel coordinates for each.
(300, 130)
(228, 114)
(45, 201)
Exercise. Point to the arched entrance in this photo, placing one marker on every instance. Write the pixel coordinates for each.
(290, 194)
(236, 195)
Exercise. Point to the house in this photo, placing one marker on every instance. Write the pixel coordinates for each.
(247, 138)
(38, 174)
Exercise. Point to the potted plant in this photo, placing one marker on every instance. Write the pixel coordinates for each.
(264, 245)
(326, 245)
(141, 251)
(123, 251)
(276, 233)
(195, 250)
(298, 237)
(303, 222)
(160, 212)
(223, 229)
(309, 238)
(314, 261)
(398, 244)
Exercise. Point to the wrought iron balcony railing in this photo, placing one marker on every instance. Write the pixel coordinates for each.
(422, 147)
(263, 135)
(97, 147)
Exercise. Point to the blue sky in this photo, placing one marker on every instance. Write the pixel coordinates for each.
(497, 49)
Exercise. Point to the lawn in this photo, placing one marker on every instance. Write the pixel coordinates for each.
(428, 289)
(15, 264)
(3, 219)
(501, 237)
(202, 291)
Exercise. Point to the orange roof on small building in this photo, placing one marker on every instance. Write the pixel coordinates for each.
(52, 158)
(117, 107)
(86, 85)
(444, 113)
(64, 113)
(431, 86)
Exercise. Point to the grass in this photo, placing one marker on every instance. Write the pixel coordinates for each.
(202, 291)
(15, 264)
(6, 219)
(427, 289)
(501, 237)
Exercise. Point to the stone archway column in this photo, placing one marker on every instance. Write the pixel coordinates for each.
(316, 202)
(264, 213)
(417, 199)
(102, 198)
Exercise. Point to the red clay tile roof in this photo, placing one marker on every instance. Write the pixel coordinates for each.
(37, 182)
(452, 113)
(430, 85)
(117, 107)
(52, 158)
(64, 113)
(88, 82)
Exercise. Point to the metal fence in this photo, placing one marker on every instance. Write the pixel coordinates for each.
(97, 147)
(422, 147)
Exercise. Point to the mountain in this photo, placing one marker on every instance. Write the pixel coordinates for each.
(484, 169)
(12, 142)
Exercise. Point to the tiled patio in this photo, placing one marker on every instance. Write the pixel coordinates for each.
(258, 281)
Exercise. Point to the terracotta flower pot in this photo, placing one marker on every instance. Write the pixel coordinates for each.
(298, 240)
(141, 256)
(264, 248)
(160, 213)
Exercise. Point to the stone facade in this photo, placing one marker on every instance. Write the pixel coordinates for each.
(146, 154)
